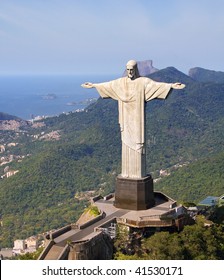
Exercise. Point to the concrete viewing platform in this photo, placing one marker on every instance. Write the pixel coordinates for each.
(72, 241)
(162, 214)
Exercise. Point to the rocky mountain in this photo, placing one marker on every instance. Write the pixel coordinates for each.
(205, 75)
(145, 68)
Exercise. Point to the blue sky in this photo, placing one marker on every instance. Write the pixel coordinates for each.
(95, 37)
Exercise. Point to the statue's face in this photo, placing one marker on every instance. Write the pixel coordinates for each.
(130, 71)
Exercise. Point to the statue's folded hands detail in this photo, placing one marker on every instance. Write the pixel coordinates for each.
(132, 92)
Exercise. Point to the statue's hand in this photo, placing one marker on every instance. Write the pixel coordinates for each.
(87, 85)
(178, 86)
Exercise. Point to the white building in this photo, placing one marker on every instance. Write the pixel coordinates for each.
(19, 244)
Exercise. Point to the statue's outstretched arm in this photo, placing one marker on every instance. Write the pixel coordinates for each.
(178, 86)
(88, 85)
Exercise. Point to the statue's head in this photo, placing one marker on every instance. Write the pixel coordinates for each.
(132, 69)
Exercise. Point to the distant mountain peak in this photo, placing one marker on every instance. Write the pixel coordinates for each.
(170, 75)
(145, 68)
(204, 75)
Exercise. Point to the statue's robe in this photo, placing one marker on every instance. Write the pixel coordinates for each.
(131, 96)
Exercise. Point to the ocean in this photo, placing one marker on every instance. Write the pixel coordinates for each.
(31, 96)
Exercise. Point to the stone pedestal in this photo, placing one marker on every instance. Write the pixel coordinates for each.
(134, 194)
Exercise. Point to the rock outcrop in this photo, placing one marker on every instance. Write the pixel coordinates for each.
(145, 68)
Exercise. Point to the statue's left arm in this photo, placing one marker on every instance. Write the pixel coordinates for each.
(160, 90)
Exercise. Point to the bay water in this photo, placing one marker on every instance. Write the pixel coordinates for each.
(46, 95)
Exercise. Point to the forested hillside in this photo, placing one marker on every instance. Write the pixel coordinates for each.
(51, 187)
(197, 180)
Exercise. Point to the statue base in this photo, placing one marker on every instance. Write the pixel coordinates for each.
(134, 194)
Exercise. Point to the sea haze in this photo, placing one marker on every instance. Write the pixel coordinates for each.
(27, 96)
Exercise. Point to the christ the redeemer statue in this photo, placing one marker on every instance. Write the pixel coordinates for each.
(132, 92)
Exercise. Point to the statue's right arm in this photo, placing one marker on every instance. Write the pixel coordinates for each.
(88, 85)
(104, 89)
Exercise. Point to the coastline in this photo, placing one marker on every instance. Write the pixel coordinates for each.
(30, 96)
